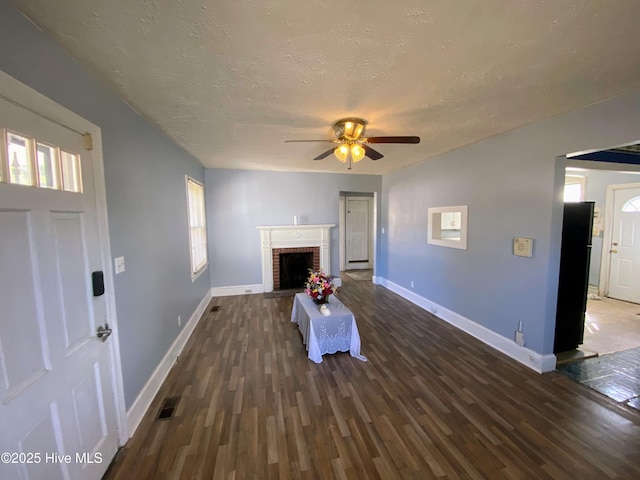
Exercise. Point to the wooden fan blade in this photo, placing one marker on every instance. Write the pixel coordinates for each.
(371, 153)
(292, 141)
(325, 154)
(392, 140)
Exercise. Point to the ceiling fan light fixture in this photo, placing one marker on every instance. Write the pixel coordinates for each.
(342, 152)
(352, 143)
(357, 152)
(358, 130)
(349, 128)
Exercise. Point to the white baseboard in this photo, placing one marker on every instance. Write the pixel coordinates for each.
(237, 290)
(149, 391)
(249, 289)
(534, 360)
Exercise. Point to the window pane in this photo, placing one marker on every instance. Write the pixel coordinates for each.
(20, 170)
(197, 226)
(48, 170)
(71, 175)
(573, 192)
(450, 224)
(632, 205)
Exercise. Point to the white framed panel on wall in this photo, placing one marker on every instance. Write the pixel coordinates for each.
(447, 226)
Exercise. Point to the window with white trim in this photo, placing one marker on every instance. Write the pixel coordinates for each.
(197, 227)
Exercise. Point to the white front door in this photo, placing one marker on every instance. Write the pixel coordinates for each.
(358, 231)
(624, 281)
(57, 402)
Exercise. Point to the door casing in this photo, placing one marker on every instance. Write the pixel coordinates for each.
(372, 197)
(14, 90)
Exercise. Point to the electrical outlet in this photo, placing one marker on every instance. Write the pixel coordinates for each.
(411, 283)
(179, 320)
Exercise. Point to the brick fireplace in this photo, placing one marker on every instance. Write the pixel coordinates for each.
(277, 257)
(275, 240)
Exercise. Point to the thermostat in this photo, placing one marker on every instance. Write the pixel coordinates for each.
(523, 247)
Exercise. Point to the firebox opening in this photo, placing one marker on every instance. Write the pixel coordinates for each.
(294, 269)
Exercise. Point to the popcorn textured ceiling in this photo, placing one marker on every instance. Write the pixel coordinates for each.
(230, 81)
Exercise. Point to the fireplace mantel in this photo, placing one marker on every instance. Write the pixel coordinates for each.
(293, 236)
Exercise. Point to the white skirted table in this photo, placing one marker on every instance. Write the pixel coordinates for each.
(322, 334)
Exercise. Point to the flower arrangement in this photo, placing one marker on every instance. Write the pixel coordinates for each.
(319, 286)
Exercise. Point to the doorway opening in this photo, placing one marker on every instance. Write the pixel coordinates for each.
(357, 225)
(611, 322)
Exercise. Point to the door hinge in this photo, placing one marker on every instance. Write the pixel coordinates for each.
(88, 141)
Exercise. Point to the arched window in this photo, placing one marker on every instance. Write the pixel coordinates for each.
(632, 205)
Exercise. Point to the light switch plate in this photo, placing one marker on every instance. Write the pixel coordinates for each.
(119, 263)
(523, 247)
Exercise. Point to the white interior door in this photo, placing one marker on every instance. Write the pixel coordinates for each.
(57, 403)
(624, 281)
(358, 232)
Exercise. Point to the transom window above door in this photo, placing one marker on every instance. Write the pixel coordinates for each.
(26, 161)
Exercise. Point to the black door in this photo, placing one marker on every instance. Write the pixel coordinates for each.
(577, 225)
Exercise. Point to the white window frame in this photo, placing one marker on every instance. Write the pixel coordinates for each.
(434, 226)
(197, 224)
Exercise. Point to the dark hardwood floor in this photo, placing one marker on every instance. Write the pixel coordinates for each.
(431, 402)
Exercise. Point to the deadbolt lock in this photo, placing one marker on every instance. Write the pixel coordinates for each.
(103, 332)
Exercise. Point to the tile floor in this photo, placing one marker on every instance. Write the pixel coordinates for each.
(616, 375)
(610, 353)
(611, 326)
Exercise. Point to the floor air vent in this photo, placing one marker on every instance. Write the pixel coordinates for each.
(168, 407)
(215, 308)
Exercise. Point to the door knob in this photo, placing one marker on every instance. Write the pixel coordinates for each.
(103, 332)
(613, 251)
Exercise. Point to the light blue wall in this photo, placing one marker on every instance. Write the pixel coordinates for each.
(596, 182)
(239, 200)
(146, 197)
(512, 184)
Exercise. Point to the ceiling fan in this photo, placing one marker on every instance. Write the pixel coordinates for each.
(353, 145)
